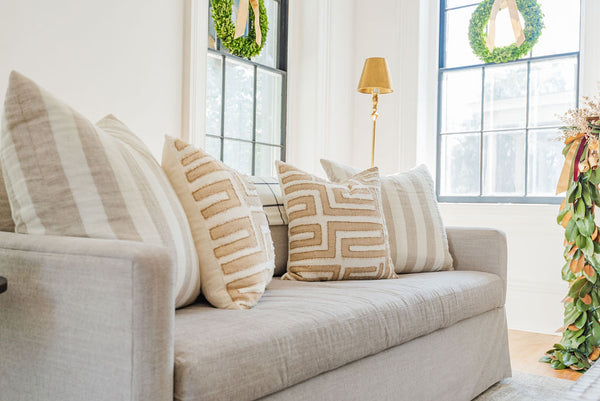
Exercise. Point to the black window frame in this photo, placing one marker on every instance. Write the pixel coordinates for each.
(280, 69)
(525, 199)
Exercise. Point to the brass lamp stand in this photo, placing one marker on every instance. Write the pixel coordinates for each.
(375, 80)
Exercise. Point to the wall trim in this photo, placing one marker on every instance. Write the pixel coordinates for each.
(195, 43)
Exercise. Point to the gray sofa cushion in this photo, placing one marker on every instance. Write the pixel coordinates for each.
(301, 329)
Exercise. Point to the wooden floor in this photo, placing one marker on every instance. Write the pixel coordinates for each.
(527, 348)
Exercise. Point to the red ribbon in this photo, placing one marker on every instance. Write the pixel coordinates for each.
(577, 158)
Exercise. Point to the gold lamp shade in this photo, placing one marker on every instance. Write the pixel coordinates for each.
(375, 75)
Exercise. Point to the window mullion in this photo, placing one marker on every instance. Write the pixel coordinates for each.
(527, 129)
(223, 74)
(254, 121)
(481, 132)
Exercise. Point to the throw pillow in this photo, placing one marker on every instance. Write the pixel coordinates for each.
(417, 235)
(228, 224)
(336, 231)
(67, 176)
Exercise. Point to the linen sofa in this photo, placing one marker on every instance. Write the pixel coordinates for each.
(90, 319)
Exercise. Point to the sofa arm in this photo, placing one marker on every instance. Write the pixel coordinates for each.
(85, 319)
(479, 249)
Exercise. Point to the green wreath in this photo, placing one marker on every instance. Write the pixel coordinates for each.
(244, 46)
(532, 14)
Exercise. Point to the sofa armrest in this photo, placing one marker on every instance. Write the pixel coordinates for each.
(479, 249)
(85, 319)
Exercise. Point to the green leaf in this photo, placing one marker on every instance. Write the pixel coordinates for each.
(571, 231)
(561, 215)
(572, 317)
(594, 177)
(580, 241)
(588, 249)
(581, 306)
(578, 191)
(585, 194)
(579, 323)
(546, 359)
(594, 193)
(557, 365)
(579, 209)
(586, 225)
(576, 287)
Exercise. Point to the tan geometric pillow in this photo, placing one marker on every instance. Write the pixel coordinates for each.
(336, 231)
(418, 239)
(66, 176)
(228, 224)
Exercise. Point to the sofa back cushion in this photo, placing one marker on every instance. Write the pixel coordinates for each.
(66, 176)
(228, 224)
(417, 235)
(336, 231)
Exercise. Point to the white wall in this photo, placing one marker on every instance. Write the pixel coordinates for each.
(320, 82)
(111, 56)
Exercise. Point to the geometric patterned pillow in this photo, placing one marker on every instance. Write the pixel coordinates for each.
(228, 224)
(336, 231)
(66, 176)
(417, 235)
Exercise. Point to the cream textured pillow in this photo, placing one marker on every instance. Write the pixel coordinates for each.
(228, 224)
(67, 176)
(336, 231)
(417, 235)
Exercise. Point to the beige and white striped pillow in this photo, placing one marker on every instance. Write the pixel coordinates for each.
(228, 224)
(336, 231)
(67, 176)
(417, 235)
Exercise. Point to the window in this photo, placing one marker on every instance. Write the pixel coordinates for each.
(497, 123)
(245, 99)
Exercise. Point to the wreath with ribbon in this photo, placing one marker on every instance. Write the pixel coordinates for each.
(525, 38)
(232, 35)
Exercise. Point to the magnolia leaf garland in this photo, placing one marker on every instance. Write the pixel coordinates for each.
(244, 46)
(580, 343)
(533, 17)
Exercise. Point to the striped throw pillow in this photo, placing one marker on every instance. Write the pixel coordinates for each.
(228, 224)
(336, 231)
(417, 235)
(67, 176)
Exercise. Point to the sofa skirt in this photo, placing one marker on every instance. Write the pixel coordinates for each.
(452, 364)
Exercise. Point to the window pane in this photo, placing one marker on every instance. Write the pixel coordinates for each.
(213, 95)
(459, 3)
(268, 107)
(561, 32)
(268, 55)
(544, 162)
(505, 103)
(238, 155)
(265, 160)
(553, 90)
(212, 35)
(458, 50)
(461, 100)
(504, 163)
(459, 170)
(212, 146)
(239, 98)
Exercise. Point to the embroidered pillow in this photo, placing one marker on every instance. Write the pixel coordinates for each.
(67, 176)
(417, 235)
(336, 231)
(228, 224)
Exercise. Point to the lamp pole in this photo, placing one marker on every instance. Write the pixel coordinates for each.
(374, 116)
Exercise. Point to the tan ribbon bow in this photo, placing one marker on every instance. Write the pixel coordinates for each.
(514, 19)
(242, 19)
(563, 180)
